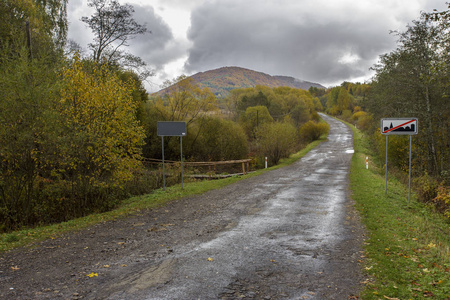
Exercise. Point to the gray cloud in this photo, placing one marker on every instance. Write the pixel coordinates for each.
(322, 40)
(157, 47)
(319, 43)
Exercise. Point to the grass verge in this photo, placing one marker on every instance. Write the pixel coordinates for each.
(408, 245)
(158, 198)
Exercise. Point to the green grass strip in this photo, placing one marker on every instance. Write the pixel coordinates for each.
(408, 245)
(133, 205)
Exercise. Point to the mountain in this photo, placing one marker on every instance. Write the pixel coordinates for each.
(221, 81)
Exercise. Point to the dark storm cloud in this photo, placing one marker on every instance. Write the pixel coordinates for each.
(157, 47)
(322, 46)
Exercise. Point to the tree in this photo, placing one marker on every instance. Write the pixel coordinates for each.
(185, 100)
(31, 38)
(258, 99)
(316, 92)
(219, 140)
(344, 100)
(27, 123)
(100, 139)
(300, 114)
(113, 26)
(408, 83)
(46, 28)
(254, 117)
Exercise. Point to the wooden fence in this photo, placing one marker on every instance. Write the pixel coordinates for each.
(212, 165)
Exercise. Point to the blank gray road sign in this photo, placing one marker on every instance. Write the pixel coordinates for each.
(171, 128)
(399, 126)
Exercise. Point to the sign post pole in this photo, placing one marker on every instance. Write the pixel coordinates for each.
(409, 193)
(164, 171)
(172, 129)
(181, 154)
(386, 166)
(400, 126)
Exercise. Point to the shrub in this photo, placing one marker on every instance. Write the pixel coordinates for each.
(357, 115)
(365, 122)
(442, 200)
(312, 131)
(346, 115)
(276, 141)
(357, 109)
(218, 139)
(427, 188)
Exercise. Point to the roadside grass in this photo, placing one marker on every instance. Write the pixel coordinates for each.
(408, 246)
(158, 198)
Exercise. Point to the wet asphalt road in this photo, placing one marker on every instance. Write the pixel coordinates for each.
(295, 243)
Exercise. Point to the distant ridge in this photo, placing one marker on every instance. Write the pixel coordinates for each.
(221, 81)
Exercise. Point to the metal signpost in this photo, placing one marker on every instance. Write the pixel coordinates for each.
(172, 129)
(399, 126)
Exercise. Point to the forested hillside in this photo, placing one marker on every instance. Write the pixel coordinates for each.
(223, 80)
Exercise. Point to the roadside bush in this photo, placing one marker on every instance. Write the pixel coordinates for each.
(217, 139)
(363, 121)
(312, 131)
(442, 200)
(357, 115)
(398, 150)
(346, 115)
(277, 141)
(427, 188)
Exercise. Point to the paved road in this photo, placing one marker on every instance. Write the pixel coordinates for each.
(290, 233)
(284, 248)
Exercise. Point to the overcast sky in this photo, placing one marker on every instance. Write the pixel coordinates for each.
(324, 41)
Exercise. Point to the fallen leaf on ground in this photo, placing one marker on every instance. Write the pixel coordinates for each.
(210, 259)
(389, 298)
(15, 268)
(92, 275)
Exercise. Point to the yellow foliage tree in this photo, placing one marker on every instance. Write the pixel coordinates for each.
(100, 146)
(185, 101)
